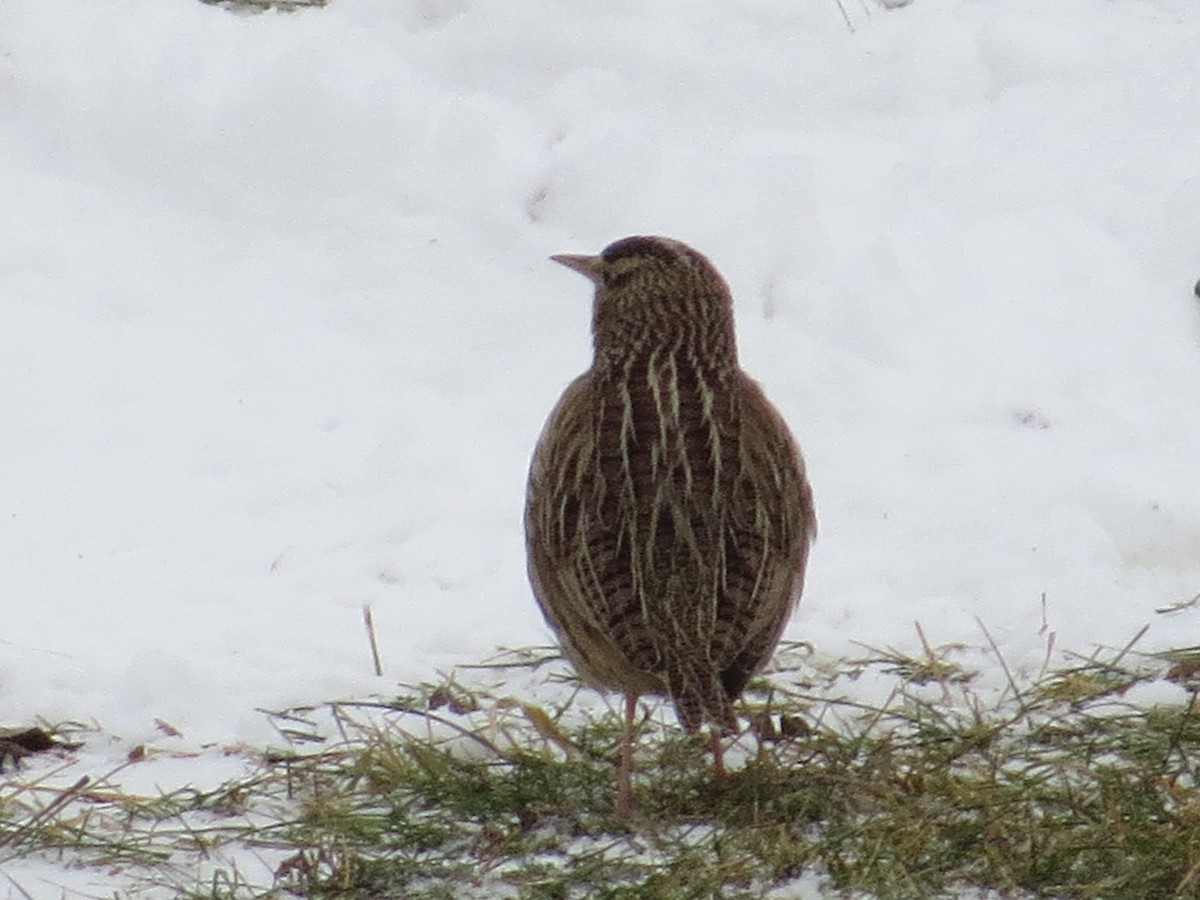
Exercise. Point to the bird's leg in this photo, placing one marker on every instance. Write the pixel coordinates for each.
(718, 755)
(626, 805)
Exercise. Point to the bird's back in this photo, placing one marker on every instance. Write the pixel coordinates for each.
(668, 521)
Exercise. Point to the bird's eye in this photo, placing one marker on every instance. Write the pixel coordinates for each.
(615, 276)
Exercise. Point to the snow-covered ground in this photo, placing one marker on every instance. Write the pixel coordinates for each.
(278, 329)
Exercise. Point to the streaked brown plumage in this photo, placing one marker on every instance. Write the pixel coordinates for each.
(668, 516)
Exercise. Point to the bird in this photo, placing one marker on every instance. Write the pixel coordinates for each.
(668, 513)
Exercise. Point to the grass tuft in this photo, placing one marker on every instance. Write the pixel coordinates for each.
(1058, 786)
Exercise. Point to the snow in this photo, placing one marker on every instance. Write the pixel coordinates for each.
(280, 333)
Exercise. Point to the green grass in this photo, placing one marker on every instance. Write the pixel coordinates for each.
(1057, 786)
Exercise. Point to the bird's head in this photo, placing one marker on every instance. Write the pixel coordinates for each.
(656, 292)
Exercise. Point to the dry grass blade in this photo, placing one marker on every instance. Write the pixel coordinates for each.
(17, 887)
(45, 813)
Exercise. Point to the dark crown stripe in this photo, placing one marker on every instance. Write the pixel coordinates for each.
(638, 246)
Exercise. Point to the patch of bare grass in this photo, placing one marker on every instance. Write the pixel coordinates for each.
(1059, 786)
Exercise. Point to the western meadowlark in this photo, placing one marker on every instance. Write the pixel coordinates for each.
(668, 516)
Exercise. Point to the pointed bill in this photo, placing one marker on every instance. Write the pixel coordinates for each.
(588, 266)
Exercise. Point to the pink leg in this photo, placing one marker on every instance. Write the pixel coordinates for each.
(718, 756)
(626, 805)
